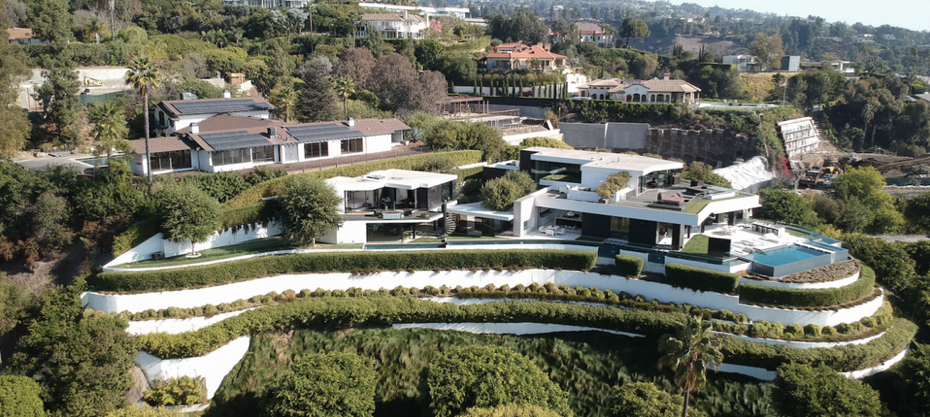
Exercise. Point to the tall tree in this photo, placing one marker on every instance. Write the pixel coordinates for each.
(310, 209)
(868, 113)
(109, 128)
(187, 213)
(634, 29)
(768, 48)
(344, 87)
(689, 352)
(13, 69)
(82, 362)
(59, 95)
(50, 19)
(643, 399)
(356, 63)
(144, 76)
(19, 397)
(283, 97)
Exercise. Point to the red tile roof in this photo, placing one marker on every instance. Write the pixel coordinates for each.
(532, 52)
(587, 28)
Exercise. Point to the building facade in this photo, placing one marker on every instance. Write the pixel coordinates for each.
(665, 90)
(173, 115)
(403, 25)
(509, 56)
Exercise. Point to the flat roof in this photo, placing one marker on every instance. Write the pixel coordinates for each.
(479, 210)
(354, 184)
(604, 160)
(411, 180)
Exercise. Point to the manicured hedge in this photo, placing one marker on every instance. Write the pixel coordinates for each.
(629, 266)
(339, 312)
(701, 279)
(134, 236)
(821, 297)
(416, 163)
(364, 262)
(253, 213)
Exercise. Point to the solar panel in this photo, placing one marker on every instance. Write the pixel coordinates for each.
(225, 106)
(234, 140)
(320, 133)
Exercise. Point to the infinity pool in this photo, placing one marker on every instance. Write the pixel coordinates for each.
(785, 256)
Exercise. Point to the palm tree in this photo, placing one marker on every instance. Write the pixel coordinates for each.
(96, 26)
(344, 87)
(143, 75)
(689, 352)
(285, 97)
(868, 113)
(237, 34)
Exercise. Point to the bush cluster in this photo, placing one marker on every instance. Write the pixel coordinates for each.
(629, 265)
(251, 214)
(178, 391)
(821, 297)
(701, 279)
(338, 312)
(355, 262)
(867, 326)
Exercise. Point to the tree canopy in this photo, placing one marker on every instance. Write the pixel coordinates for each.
(309, 209)
(500, 193)
(19, 397)
(489, 376)
(187, 213)
(322, 385)
(643, 399)
(786, 206)
(768, 49)
(805, 391)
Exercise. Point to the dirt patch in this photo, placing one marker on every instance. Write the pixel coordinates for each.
(280, 342)
(827, 273)
(717, 46)
(139, 386)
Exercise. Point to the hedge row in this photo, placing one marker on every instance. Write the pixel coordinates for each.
(356, 262)
(701, 279)
(259, 212)
(339, 312)
(134, 236)
(822, 297)
(865, 327)
(427, 162)
(629, 265)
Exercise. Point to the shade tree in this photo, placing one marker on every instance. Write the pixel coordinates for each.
(308, 210)
(187, 213)
(689, 353)
(318, 385)
(19, 397)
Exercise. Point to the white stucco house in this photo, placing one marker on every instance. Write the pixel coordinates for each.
(171, 116)
(655, 90)
(394, 25)
(230, 142)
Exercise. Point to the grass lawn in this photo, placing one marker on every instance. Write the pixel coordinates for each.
(225, 252)
(697, 245)
(590, 239)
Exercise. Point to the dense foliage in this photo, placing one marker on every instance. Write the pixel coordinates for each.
(821, 297)
(808, 391)
(333, 384)
(308, 209)
(500, 193)
(629, 266)
(19, 397)
(485, 376)
(701, 279)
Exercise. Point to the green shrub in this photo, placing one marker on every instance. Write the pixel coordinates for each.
(868, 322)
(701, 279)
(181, 391)
(821, 297)
(251, 214)
(828, 331)
(134, 235)
(629, 266)
(811, 331)
(224, 273)
(794, 331)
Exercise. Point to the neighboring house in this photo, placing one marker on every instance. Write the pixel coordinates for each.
(790, 63)
(24, 36)
(174, 115)
(459, 12)
(392, 205)
(841, 66)
(510, 56)
(592, 32)
(925, 97)
(655, 90)
(268, 4)
(394, 25)
(230, 142)
(744, 63)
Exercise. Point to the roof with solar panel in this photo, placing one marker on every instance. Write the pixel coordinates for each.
(176, 108)
(234, 140)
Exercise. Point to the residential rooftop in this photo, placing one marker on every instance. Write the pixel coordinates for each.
(634, 164)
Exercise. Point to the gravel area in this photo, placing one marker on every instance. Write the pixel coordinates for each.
(823, 274)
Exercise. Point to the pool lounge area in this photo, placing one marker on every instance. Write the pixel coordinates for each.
(781, 262)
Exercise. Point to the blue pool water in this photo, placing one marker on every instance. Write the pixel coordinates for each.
(785, 256)
(94, 161)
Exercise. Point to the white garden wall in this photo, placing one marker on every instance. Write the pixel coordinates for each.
(114, 303)
(176, 326)
(508, 328)
(213, 366)
(226, 237)
(805, 345)
(805, 285)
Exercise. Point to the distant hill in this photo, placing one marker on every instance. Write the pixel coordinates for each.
(663, 45)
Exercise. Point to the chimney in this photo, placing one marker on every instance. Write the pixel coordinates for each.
(351, 122)
(668, 74)
(226, 94)
(195, 129)
(405, 15)
(273, 132)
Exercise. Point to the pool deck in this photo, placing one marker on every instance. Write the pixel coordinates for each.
(744, 241)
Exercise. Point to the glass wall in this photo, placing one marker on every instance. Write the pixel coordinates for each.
(352, 146)
(658, 179)
(316, 150)
(619, 226)
(166, 161)
(263, 153)
(360, 200)
(232, 156)
(556, 172)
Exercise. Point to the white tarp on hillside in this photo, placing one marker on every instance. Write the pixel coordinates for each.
(747, 174)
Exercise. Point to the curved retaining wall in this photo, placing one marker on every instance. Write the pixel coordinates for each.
(804, 286)
(134, 303)
(213, 366)
(805, 345)
(176, 326)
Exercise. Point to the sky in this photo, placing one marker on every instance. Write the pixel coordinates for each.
(910, 14)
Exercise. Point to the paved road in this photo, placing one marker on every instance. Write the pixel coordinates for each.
(902, 238)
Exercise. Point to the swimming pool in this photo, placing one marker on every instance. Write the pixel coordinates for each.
(94, 161)
(785, 256)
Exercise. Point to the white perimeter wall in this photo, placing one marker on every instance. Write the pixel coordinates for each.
(518, 139)
(213, 366)
(227, 237)
(807, 286)
(650, 290)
